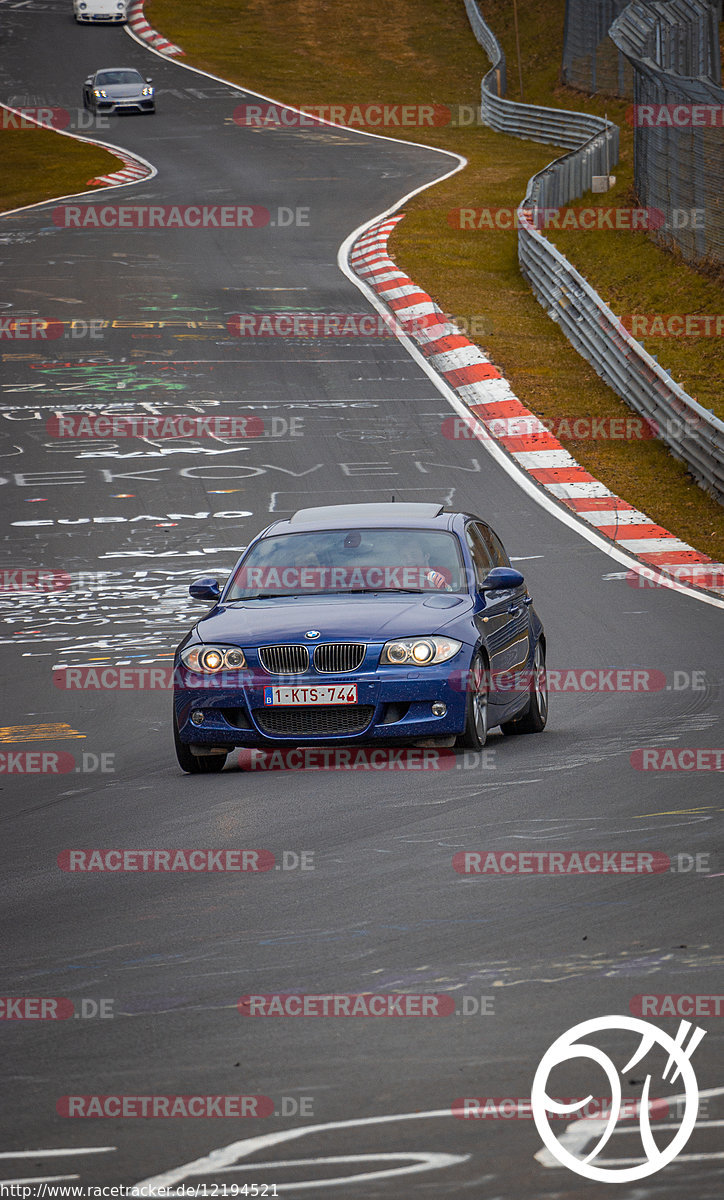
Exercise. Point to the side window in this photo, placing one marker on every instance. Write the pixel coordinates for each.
(494, 546)
(479, 553)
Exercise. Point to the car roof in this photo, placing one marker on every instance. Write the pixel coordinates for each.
(364, 512)
(345, 516)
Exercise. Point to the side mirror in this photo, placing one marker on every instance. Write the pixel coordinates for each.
(88, 80)
(501, 579)
(206, 588)
(149, 80)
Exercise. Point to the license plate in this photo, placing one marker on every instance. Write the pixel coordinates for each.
(327, 693)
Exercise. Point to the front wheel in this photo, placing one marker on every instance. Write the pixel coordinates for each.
(534, 719)
(476, 709)
(194, 764)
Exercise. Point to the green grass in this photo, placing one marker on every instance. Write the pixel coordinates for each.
(39, 164)
(422, 52)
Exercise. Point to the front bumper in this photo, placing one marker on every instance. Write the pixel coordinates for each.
(145, 104)
(393, 704)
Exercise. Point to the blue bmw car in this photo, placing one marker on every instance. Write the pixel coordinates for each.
(379, 624)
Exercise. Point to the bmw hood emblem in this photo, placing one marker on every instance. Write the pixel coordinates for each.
(312, 634)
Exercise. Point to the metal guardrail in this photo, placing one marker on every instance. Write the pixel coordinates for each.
(592, 62)
(692, 434)
(674, 50)
(681, 36)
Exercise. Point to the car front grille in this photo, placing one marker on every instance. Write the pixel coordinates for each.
(284, 660)
(337, 657)
(314, 721)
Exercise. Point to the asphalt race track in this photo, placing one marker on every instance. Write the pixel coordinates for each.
(381, 908)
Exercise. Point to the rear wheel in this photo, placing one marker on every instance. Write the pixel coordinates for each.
(194, 764)
(534, 719)
(476, 719)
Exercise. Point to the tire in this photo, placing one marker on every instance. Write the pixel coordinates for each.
(193, 764)
(476, 707)
(535, 717)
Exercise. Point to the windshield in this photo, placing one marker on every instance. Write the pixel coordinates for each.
(350, 560)
(108, 78)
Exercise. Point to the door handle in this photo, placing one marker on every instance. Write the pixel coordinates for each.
(514, 609)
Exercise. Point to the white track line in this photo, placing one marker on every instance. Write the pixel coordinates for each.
(578, 1134)
(55, 1153)
(35, 1179)
(228, 1156)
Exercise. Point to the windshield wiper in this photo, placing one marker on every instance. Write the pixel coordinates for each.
(332, 592)
(268, 596)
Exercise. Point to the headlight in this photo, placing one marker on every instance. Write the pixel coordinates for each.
(209, 659)
(147, 91)
(418, 652)
(99, 92)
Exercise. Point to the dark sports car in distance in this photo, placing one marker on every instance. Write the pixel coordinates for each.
(118, 89)
(361, 623)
